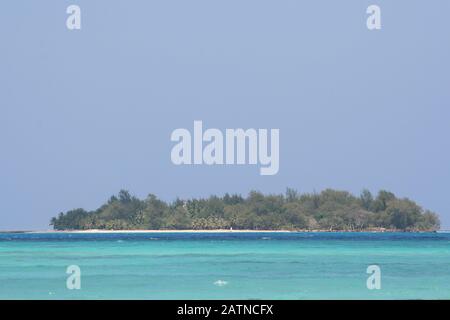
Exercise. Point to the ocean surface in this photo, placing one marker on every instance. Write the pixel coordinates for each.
(225, 265)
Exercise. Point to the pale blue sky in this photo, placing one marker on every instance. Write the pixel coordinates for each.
(86, 113)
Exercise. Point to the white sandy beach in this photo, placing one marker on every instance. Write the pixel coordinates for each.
(162, 231)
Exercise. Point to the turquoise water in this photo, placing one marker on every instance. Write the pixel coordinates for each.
(225, 266)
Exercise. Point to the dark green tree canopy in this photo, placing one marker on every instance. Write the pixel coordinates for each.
(331, 210)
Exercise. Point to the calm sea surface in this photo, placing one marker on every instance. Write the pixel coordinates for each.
(225, 265)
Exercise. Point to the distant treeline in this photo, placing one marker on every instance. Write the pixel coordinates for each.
(329, 210)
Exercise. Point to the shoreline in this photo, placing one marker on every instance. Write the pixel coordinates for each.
(161, 231)
(93, 231)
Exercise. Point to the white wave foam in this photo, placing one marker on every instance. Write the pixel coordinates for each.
(220, 283)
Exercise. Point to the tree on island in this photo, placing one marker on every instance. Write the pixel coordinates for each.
(331, 210)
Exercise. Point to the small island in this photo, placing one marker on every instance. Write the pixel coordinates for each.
(329, 210)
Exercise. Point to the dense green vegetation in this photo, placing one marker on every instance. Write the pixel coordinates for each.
(328, 210)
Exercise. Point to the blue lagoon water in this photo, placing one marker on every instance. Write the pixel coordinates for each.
(225, 265)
